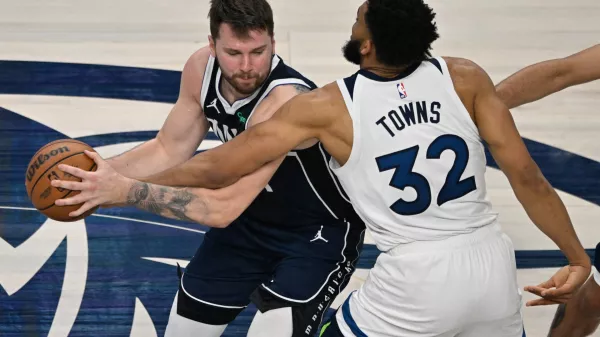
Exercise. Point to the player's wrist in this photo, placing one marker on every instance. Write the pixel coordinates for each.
(582, 260)
(126, 186)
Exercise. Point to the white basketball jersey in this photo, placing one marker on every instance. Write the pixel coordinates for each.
(417, 166)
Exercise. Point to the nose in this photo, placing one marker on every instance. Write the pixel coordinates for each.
(246, 65)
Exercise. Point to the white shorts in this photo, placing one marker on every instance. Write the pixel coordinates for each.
(463, 286)
(596, 276)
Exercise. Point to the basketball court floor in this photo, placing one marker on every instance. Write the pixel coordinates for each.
(107, 72)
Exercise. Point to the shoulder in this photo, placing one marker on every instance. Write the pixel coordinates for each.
(465, 72)
(192, 74)
(469, 79)
(319, 107)
(283, 93)
(275, 99)
(197, 61)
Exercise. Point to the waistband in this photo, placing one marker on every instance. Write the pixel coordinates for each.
(451, 243)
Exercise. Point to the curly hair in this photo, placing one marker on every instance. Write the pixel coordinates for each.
(401, 30)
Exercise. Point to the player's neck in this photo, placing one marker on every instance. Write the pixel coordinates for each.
(382, 70)
(229, 93)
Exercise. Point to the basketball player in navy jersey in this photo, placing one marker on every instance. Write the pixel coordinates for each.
(580, 316)
(286, 237)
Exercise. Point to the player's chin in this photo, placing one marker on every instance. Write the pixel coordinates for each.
(248, 86)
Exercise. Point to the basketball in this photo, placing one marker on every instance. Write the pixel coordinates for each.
(43, 168)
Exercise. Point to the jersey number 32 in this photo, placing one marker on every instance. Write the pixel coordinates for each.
(402, 163)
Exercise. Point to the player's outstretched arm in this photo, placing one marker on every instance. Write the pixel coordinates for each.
(544, 78)
(214, 208)
(540, 200)
(297, 121)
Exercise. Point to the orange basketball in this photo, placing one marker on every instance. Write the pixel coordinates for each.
(43, 168)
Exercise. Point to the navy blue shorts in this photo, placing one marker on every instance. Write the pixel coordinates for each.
(303, 268)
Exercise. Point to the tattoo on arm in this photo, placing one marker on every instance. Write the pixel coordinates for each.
(165, 201)
(301, 89)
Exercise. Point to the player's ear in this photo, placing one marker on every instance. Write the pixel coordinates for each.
(367, 47)
(212, 46)
(273, 43)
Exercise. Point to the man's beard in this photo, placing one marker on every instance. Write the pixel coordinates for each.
(246, 89)
(351, 51)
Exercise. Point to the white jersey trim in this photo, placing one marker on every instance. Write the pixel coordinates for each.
(354, 152)
(206, 80)
(457, 101)
(335, 182)
(294, 154)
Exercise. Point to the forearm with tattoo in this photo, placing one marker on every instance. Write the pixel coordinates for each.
(169, 202)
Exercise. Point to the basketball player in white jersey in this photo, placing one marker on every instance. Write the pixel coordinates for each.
(580, 316)
(405, 134)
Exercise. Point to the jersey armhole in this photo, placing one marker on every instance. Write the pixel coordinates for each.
(348, 100)
(459, 104)
(206, 80)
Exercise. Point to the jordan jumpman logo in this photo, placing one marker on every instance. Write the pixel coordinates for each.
(213, 104)
(319, 236)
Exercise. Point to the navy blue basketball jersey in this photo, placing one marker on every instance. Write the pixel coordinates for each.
(303, 190)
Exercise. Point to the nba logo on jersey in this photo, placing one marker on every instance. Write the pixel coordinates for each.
(401, 90)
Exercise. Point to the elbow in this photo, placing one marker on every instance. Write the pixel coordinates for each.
(223, 222)
(220, 219)
(530, 180)
(564, 75)
(218, 222)
(215, 210)
(221, 215)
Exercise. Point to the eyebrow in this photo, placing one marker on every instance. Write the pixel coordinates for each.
(253, 50)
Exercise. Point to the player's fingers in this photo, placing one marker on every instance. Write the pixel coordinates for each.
(94, 156)
(84, 208)
(77, 172)
(541, 301)
(76, 200)
(535, 290)
(566, 289)
(547, 285)
(69, 185)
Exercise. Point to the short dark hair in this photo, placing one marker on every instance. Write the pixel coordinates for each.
(402, 30)
(242, 15)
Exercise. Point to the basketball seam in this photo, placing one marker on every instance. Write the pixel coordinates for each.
(60, 141)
